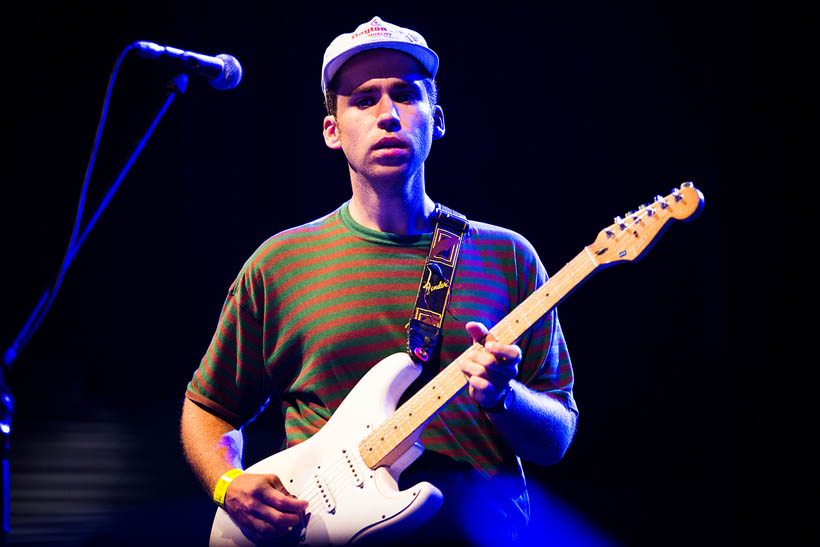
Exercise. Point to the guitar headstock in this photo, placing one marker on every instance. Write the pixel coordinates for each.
(628, 238)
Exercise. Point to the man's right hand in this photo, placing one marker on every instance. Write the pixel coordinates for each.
(262, 507)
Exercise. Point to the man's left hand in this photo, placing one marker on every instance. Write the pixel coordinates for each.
(489, 369)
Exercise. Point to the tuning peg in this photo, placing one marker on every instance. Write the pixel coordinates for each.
(659, 199)
(676, 195)
(645, 207)
(687, 184)
(620, 222)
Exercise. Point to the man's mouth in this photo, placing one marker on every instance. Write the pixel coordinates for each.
(388, 143)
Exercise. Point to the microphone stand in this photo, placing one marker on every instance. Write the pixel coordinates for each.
(176, 86)
(6, 412)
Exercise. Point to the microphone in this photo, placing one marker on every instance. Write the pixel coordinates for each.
(223, 71)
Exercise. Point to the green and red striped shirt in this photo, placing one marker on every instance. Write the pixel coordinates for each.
(316, 306)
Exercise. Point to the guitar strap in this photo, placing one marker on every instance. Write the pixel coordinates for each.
(424, 328)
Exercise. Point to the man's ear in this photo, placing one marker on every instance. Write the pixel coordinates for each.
(438, 122)
(331, 133)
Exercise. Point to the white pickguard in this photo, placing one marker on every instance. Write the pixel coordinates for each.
(347, 500)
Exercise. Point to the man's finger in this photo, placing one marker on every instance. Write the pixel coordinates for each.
(282, 501)
(476, 330)
(504, 352)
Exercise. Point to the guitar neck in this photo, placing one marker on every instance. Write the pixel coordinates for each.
(389, 440)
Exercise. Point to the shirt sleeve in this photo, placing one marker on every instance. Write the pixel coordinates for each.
(231, 380)
(545, 366)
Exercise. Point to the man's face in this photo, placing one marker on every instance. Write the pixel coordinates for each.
(384, 121)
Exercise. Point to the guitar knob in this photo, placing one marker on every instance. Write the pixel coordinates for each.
(620, 222)
(660, 200)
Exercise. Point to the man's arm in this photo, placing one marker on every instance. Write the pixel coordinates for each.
(537, 427)
(258, 504)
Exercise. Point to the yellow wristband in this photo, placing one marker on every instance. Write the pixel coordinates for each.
(222, 485)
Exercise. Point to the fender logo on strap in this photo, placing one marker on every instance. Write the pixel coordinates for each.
(430, 288)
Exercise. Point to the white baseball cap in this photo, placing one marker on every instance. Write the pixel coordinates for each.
(375, 34)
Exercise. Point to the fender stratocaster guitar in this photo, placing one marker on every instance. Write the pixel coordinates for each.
(349, 470)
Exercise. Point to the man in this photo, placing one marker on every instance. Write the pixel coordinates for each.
(316, 306)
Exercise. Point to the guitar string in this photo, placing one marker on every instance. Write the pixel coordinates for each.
(337, 474)
(334, 479)
(419, 405)
(574, 265)
(339, 471)
(330, 478)
(535, 305)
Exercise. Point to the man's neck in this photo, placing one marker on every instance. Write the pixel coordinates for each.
(391, 207)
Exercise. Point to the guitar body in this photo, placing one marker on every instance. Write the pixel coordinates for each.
(348, 501)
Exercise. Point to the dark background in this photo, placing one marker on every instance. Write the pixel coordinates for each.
(558, 118)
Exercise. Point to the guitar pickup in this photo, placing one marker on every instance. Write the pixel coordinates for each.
(351, 466)
(324, 493)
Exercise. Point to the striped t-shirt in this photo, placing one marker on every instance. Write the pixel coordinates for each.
(316, 306)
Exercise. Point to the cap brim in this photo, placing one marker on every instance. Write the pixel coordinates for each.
(425, 56)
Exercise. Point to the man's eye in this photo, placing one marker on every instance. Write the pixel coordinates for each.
(363, 102)
(405, 98)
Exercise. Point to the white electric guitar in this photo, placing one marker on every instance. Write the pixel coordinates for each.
(348, 471)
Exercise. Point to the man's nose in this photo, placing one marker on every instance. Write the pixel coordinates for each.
(388, 115)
